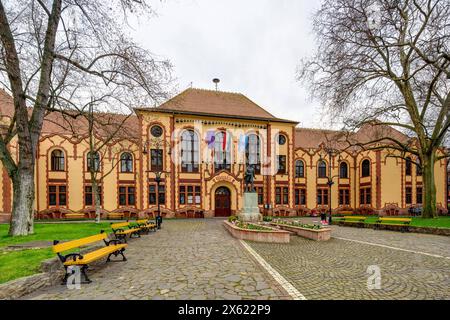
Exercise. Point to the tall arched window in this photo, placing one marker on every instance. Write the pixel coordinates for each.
(343, 170)
(252, 152)
(189, 151)
(222, 150)
(93, 162)
(419, 167)
(57, 160)
(299, 169)
(322, 169)
(126, 162)
(408, 166)
(365, 168)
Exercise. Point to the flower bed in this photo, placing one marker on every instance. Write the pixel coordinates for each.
(309, 231)
(254, 232)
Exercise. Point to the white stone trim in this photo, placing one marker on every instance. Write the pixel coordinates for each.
(290, 289)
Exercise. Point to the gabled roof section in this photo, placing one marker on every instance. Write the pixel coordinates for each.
(307, 138)
(107, 124)
(215, 103)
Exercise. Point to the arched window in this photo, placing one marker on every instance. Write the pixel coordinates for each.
(281, 139)
(299, 169)
(322, 169)
(408, 166)
(93, 162)
(222, 150)
(343, 170)
(365, 168)
(189, 151)
(57, 160)
(419, 167)
(252, 152)
(126, 162)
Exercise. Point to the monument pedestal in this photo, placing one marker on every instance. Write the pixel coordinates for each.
(250, 211)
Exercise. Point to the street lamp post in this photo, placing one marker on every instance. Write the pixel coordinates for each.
(331, 152)
(156, 143)
(158, 203)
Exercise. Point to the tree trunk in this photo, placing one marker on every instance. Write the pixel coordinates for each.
(23, 200)
(429, 185)
(98, 212)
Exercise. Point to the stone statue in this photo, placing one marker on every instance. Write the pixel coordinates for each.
(249, 179)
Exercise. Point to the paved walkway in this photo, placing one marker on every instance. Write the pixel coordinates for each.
(337, 269)
(198, 259)
(427, 243)
(186, 259)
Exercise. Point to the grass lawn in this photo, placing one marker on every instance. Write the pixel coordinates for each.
(16, 264)
(441, 222)
(22, 263)
(54, 231)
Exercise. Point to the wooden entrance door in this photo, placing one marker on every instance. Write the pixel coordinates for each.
(223, 202)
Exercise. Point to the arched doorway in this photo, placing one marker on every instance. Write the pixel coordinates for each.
(223, 202)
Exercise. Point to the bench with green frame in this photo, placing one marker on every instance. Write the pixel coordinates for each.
(122, 229)
(353, 219)
(70, 260)
(404, 223)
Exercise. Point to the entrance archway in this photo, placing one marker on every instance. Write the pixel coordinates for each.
(222, 202)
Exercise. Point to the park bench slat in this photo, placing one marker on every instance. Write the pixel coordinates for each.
(354, 218)
(145, 225)
(65, 246)
(122, 229)
(95, 255)
(406, 222)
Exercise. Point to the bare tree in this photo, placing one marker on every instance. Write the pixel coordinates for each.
(52, 55)
(102, 132)
(387, 62)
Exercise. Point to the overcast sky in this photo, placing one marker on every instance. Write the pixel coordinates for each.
(253, 46)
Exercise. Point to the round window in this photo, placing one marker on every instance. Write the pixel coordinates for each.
(156, 131)
(281, 139)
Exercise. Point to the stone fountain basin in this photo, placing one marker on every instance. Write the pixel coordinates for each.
(273, 235)
(323, 234)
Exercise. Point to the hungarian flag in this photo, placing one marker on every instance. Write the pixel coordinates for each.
(224, 141)
(210, 138)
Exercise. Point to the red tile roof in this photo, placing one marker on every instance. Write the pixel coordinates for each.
(307, 138)
(215, 103)
(58, 123)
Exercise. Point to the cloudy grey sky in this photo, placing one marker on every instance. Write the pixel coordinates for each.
(253, 46)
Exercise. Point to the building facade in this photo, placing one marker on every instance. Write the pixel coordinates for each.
(200, 143)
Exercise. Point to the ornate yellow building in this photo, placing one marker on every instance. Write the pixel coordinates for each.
(201, 142)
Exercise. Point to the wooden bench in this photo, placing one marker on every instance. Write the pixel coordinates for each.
(354, 219)
(404, 223)
(122, 229)
(145, 225)
(115, 215)
(74, 216)
(113, 247)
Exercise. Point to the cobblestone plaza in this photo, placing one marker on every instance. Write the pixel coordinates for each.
(198, 259)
